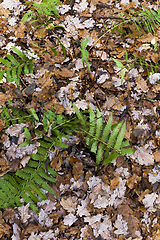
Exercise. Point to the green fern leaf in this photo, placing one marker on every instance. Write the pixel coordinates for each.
(99, 127)
(39, 192)
(79, 115)
(33, 113)
(43, 184)
(120, 137)
(15, 65)
(111, 157)
(126, 151)
(92, 125)
(27, 16)
(107, 142)
(6, 62)
(29, 200)
(20, 54)
(105, 137)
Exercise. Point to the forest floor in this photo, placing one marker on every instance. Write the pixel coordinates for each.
(120, 200)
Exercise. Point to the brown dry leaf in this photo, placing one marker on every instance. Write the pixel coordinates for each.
(53, 102)
(33, 104)
(75, 230)
(63, 73)
(4, 228)
(127, 5)
(36, 49)
(132, 221)
(110, 101)
(49, 60)
(77, 170)
(58, 108)
(157, 155)
(114, 183)
(68, 204)
(4, 165)
(32, 228)
(46, 93)
(46, 80)
(4, 12)
(4, 98)
(73, 160)
(2, 124)
(156, 88)
(141, 84)
(9, 213)
(19, 33)
(156, 235)
(57, 161)
(95, 2)
(94, 35)
(155, 57)
(83, 33)
(147, 38)
(133, 180)
(55, 217)
(121, 52)
(147, 191)
(117, 106)
(40, 33)
(111, 44)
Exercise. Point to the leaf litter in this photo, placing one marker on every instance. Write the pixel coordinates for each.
(121, 200)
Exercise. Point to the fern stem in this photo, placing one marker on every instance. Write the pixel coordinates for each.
(63, 123)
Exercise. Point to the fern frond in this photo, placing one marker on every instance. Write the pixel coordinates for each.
(92, 125)
(15, 64)
(28, 182)
(143, 19)
(79, 115)
(107, 142)
(42, 12)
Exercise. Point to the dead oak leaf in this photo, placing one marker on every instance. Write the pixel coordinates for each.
(40, 33)
(155, 57)
(63, 73)
(58, 108)
(4, 165)
(68, 204)
(19, 33)
(82, 209)
(69, 219)
(147, 38)
(4, 98)
(4, 12)
(45, 80)
(77, 170)
(143, 156)
(141, 84)
(114, 183)
(2, 124)
(157, 156)
(57, 161)
(73, 160)
(4, 229)
(23, 210)
(133, 180)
